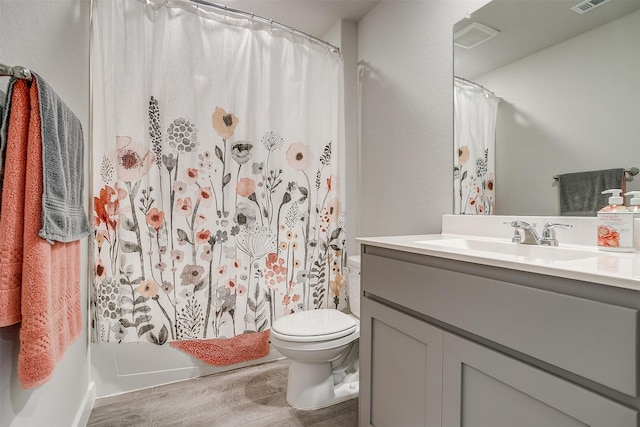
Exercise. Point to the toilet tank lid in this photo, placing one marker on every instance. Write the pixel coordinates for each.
(353, 261)
(314, 323)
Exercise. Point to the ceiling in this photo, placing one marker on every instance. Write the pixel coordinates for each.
(528, 26)
(315, 17)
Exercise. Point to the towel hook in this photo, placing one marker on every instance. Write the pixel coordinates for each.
(18, 72)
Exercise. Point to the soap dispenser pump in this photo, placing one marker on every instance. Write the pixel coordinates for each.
(615, 224)
(634, 201)
(615, 200)
(634, 208)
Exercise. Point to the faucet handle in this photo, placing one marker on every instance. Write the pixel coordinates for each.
(521, 224)
(517, 237)
(549, 237)
(517, 223)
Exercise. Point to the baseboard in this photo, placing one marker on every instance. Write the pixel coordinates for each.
(84, 411)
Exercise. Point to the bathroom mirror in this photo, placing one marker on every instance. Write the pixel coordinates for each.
(569, 92)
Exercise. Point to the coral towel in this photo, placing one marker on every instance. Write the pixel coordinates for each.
(11, 219)
(50, 292)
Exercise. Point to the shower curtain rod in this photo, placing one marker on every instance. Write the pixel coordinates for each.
(477, 85)
(17, 71)
(271, 22)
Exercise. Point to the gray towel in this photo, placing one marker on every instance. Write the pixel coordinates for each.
(63, 215)
(581, 192)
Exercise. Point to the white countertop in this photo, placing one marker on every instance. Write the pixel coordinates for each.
(607, 268)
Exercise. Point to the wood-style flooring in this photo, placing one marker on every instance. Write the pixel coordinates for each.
(248, 397)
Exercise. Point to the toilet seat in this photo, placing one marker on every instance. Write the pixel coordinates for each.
(314, 325)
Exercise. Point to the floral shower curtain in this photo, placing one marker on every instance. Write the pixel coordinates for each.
(217, 158)
(475, 112)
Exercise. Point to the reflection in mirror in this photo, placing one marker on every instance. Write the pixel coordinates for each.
(475, 110)
(569, 97)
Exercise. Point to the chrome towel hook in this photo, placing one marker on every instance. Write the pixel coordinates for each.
(17, 72)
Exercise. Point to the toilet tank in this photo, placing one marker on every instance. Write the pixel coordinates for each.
(353, 284)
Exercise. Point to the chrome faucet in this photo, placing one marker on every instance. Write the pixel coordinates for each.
(530, 236)
(549, 237)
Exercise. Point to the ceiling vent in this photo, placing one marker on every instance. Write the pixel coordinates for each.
(474, 34)
(587, 5)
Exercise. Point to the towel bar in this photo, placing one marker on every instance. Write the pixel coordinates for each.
(17, 71)
(631, 172)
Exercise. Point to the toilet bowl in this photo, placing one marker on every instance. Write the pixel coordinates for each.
(322, 348)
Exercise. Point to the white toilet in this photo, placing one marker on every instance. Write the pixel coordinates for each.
(322, 347)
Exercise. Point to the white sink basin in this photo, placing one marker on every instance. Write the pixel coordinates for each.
(551, 253)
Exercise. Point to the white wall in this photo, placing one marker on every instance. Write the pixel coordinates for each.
(570, 108)
(405, 51)
(51, 38)
(345, 35)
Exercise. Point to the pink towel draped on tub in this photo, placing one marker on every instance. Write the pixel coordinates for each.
(49, 290)
(227, 351)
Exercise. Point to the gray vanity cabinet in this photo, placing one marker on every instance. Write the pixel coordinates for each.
(403, 385)
(483, 387)
(450, 343)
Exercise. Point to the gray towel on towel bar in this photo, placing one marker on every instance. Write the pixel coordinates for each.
(581, 192)
(63, 215)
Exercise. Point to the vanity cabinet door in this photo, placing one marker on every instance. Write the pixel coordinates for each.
(482, 387)
(400, 369)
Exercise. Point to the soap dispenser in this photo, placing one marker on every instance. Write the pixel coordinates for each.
(615, 224)
(634, 208)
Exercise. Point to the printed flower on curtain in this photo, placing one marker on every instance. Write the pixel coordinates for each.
(338, 285)
(205, 196)
(107, 300)
(107, 220)
(256, 242)
(132, 160)
(184, 206)
(203, 236)
(155, 218)
(241, 152)
(276, 270)
(224, 123)
(463, 155)
(245, 187)
(183, 135)
(191, 274)
(245, 215)
(190, 175)
(107, 206)
(299, 156)
(148, 289)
